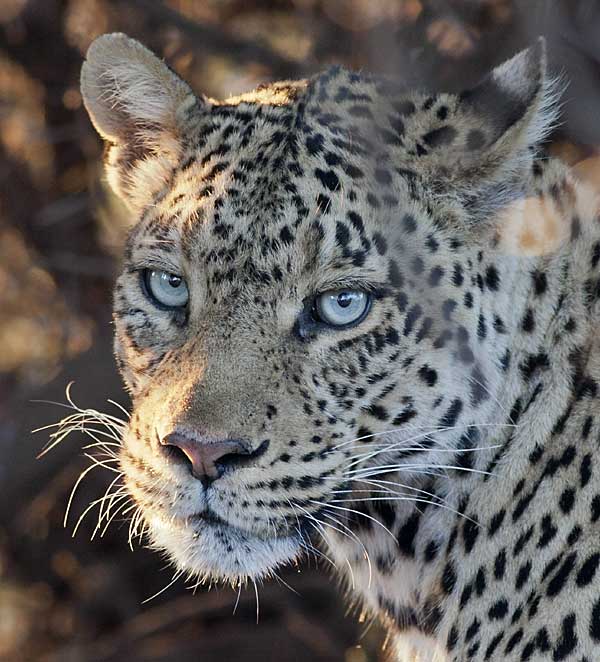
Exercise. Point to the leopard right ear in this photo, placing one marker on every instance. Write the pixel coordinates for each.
(141, 108)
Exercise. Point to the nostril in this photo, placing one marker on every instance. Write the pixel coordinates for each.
(176, 454)
(208, 458)
(243, 457)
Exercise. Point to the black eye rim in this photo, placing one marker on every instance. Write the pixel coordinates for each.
(314, 310)
(144, 275)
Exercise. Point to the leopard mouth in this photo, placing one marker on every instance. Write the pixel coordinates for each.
(206, 546)
(209, 518)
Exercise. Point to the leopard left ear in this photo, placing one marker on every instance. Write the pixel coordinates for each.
(497, 128)
(142, 110)
(514, 105)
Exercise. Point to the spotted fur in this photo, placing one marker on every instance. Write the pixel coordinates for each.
(444, 449)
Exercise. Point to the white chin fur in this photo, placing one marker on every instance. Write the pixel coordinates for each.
(217, 552)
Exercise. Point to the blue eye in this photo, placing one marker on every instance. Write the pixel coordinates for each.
(169, 290)
(342, 307)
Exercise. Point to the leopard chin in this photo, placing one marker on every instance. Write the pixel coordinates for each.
(216, 551)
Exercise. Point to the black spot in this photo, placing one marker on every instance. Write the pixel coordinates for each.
(431, 551)
(404, 107)
(356, 221)
(323, 203)
(473, 629)
(328, 179)
(559, 580)
(285, 235)
(470, 534)
(494, 643)
(386, 512)
(448, 307)
(548, 531)
(533, 363)
(360, 111)
(496, 522)
(588, 570)
(342, 234)
(567, 499)
(480, 582)
(409, 413)
(500, 564)
(394, 274)
(432, 243)
(411, 317)
(377, 411)
(478, 387)
(492, 278)
(568, 639)
(417, 266)
(514, 641)
(409, 224)
(523, 575)
(428, 375)
(442, 113)
(448, 578)
(528, 322)
(481, 327)
(595, 621)
(498, 610)
(451, 416)
(453, 636)
(439, 137)
(380, 243)
(540, 282)
(314, 144)
(435, 276)
(364, 434)
(407, 533)
(595, 255)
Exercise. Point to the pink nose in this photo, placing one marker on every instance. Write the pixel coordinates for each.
(208, 458)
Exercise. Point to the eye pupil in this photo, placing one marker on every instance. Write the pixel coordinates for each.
(341, 308)
(165, 288)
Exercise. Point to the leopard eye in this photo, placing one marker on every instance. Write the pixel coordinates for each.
(342, 308)
(167, 289)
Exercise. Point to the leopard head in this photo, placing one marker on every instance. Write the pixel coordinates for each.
(309, 298)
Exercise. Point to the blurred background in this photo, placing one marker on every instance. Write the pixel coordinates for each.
(61, 234)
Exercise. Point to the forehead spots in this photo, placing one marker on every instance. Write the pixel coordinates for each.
(443, 136)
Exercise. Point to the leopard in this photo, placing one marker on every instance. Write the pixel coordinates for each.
(359, 321)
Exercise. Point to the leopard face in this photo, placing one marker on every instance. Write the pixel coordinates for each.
(310, 294)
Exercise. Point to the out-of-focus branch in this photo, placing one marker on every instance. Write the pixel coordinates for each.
(212, 39)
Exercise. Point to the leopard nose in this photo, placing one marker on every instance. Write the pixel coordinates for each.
(207, 458)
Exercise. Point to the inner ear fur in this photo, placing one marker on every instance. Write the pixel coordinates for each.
(142, 109)
(126, 89)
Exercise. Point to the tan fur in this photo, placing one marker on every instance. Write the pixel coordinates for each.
(442, 449)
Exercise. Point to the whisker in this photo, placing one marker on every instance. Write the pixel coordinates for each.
(162, 590)
(357, 512)
(432, 428)
(403, 467)
(353, 536)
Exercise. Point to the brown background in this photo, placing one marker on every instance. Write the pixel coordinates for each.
(60, 236)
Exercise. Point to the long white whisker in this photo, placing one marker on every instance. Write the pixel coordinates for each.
(357, 512)
(430, 429)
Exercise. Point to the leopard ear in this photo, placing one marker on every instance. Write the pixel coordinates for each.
(484, 156)
(514, 105)
(141, 108)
